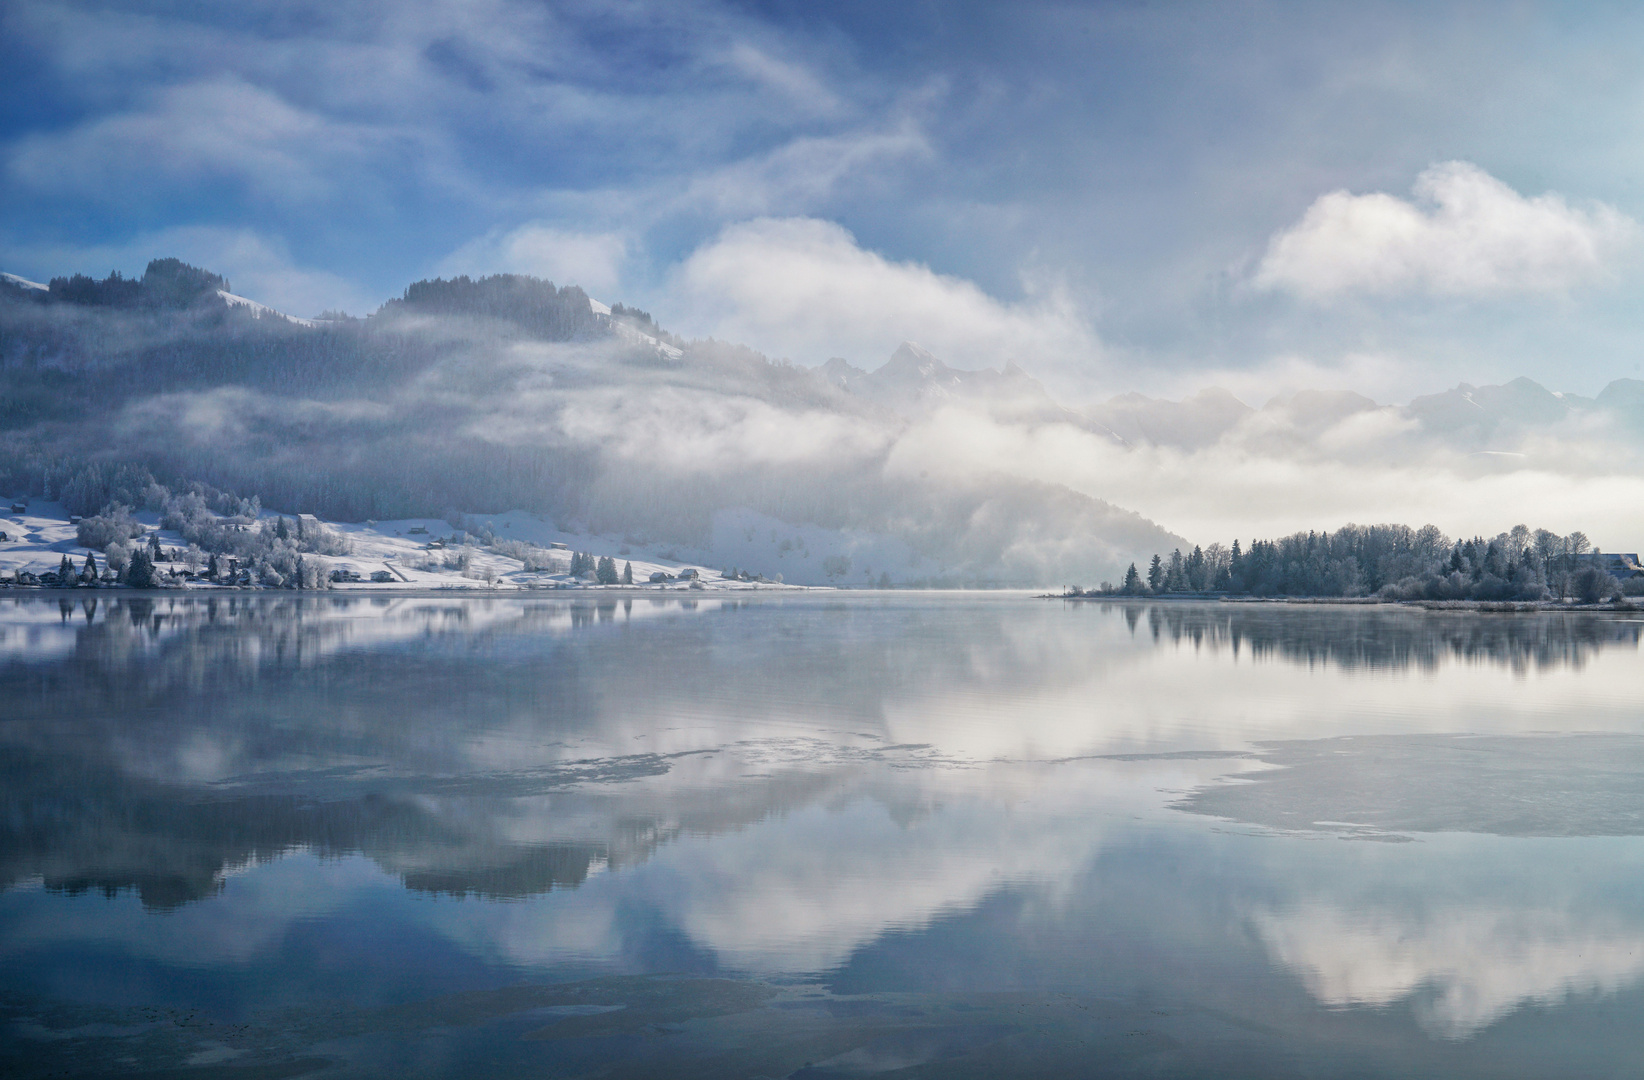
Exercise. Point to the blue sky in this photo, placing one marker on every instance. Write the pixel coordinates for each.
(1387, 197)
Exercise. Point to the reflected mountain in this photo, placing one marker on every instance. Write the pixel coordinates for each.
(505, 748)
(878, 833)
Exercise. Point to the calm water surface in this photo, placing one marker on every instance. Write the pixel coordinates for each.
(865, 835)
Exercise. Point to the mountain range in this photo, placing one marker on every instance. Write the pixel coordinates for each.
(509, 392)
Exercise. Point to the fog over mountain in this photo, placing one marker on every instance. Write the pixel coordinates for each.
(509, 392)
(512, 393)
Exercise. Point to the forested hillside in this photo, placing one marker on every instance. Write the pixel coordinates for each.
(497, 393)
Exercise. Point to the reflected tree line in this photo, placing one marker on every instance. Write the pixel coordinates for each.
(1384, 638)
(322, 737)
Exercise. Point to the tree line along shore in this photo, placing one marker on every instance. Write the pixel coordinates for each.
(1390, 563)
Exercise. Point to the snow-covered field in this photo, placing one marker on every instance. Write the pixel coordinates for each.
(415, 552)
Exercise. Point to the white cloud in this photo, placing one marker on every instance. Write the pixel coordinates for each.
(794, 81)
(261, 268)
(594, 261)
(1465, 234)
(803, 288)
(209, 130)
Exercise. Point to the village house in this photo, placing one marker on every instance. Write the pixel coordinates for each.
(1621, 566)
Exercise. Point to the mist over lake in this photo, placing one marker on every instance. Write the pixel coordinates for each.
(816, 835)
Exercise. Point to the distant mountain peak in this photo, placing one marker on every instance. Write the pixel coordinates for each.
(913, 361)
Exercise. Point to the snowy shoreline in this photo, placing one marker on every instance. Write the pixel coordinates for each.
(420, 556)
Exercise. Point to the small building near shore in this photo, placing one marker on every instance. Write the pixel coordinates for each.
(1622, 566)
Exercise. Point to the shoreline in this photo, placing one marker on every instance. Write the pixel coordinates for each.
(419, 591)
(1488, 606)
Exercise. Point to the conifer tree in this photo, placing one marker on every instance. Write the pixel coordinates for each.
(65, 571)
(1176, 575)
(1155, 574)
(140, 574)
(1133, 581)
(89, 572)
(627, 573)
(606, 572)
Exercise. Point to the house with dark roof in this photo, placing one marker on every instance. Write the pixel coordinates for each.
(1620, 566)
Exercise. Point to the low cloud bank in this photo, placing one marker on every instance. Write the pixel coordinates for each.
(510, 393)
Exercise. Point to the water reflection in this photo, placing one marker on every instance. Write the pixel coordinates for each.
(952, 798)
(1384, 637)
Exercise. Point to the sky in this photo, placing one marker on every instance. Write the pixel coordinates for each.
(1390, 198)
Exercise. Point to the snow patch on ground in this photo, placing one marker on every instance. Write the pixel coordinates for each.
(24, 283)
(635, 336)
(413, 551)
(260, 310)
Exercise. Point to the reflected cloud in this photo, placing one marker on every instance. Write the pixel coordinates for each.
(782, 787)
(1464, 968)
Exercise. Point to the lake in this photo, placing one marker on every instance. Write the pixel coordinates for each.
(824, 835)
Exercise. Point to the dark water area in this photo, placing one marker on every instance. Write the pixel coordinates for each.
(817, 836)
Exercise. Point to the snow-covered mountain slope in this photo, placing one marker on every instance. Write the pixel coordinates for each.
(415, 553)
(23, 283)
(628, 332)
(261, 311)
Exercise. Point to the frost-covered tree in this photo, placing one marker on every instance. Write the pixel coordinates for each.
(1592, 584)
(1176, 573)
(1133, 582)
(140, 571)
